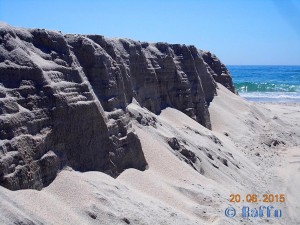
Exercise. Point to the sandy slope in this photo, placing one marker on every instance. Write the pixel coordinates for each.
(253, 149)
(269, 135)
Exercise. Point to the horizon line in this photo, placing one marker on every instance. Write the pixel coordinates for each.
(262, 64)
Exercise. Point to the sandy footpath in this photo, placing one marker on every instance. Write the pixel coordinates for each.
(253, 148)
(287, 173)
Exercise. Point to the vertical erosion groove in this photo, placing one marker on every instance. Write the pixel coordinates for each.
(63, 100)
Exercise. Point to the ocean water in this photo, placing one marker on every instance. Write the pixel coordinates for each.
(267, 83)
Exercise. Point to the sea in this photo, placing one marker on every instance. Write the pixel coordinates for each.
(267, 83)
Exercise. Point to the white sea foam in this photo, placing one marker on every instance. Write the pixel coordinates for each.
(272, 96)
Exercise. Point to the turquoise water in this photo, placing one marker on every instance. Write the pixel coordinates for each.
(267, 83)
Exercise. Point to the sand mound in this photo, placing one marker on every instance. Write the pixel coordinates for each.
(252, 149)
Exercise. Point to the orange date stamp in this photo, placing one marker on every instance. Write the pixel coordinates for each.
(254, 198)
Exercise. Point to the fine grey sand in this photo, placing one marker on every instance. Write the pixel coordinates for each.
(253, 148)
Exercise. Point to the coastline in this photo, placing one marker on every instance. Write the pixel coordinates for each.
(271, 100)
(115, 131)
(273, 83)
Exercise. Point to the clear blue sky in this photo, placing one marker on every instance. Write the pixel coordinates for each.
(251, 32)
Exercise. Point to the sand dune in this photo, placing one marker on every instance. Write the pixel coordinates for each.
(252, 149)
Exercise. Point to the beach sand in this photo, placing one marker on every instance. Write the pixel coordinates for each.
(253, 148)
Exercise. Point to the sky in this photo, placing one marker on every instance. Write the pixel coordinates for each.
(239, 32)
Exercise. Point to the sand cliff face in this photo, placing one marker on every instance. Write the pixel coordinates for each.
(218, 71)
(63, 100)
